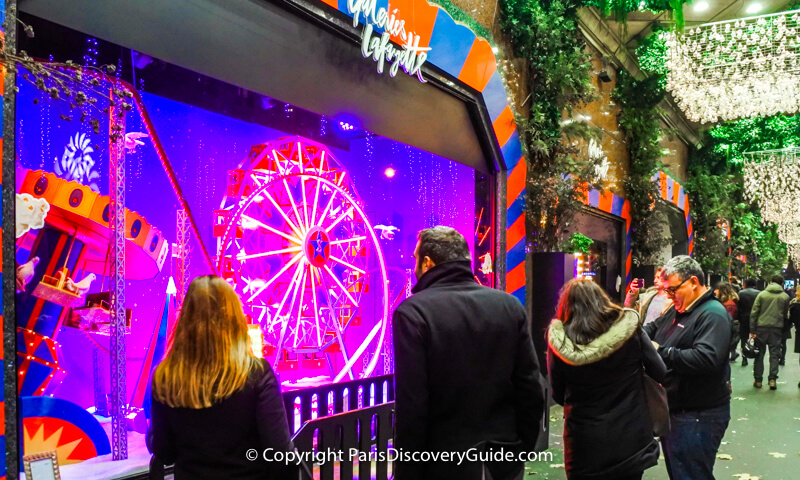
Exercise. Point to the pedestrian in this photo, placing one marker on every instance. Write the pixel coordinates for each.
(466, 372)
(213, 401)
(735, 282)
(766, 324)
(747, 296)
(726, 293)
(794, 319)
(652, 303)
(693, 341)
(787, 325)
(596, 351)
(786, 334)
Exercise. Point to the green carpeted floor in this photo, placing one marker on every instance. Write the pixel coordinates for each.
(762, 440)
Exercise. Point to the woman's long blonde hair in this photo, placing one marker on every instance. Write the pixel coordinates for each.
(209, 355)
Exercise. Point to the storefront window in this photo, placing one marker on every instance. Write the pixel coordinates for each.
(312, 219)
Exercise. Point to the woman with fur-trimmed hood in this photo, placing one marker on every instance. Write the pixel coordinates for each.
(596, 351)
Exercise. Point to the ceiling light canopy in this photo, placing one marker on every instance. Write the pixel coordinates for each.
(736, 69)
(770, 178)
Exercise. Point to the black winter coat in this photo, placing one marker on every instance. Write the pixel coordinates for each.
(695, 347)
(211, 443)
(465, 371)
(608, 431)
(747, 297)
(794, 319)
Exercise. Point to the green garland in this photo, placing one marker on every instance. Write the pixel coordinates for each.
(652, 55)
(461, 17)
(716, 192)
(765, 252)
(545, 34)
(578, 243)
(716, 171)
(712, 192)
(732, 139)
(639, 119)
(621, 8)
(709, 186)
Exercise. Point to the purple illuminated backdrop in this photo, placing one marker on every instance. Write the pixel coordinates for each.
(202, 146)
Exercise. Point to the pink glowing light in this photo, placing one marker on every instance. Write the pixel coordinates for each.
(390, 172)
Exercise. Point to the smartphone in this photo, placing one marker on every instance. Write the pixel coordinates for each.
(640, 283)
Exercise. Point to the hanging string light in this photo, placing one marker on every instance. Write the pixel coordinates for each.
(771, 179)
(789, 233)
(736, 69)
(794, 253)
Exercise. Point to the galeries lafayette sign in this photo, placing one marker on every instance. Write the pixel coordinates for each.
(410, 55)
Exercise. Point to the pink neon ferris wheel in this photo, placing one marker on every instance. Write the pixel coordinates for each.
(298, 248)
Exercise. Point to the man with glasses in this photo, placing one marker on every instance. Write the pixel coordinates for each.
(693, 340)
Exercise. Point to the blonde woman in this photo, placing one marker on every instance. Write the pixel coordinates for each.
(212, 399)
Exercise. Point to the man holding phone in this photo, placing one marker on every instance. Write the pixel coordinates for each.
(652, 303)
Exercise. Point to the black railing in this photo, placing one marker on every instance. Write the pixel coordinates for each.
(306, 404)
(346, 401)
(334, 440)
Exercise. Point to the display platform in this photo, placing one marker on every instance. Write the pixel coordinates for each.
(102, 468)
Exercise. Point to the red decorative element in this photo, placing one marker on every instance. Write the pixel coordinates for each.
(35, 348)
(317, 247)
(43, 428)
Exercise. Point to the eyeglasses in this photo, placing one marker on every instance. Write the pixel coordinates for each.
(671, 290)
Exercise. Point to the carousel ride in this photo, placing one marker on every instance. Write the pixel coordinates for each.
(297, 246)
(74, 243)
(70, 241)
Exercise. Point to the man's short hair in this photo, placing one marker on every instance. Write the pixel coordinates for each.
(777, 279)
(685, 267)
(751, 283)
(442, 244)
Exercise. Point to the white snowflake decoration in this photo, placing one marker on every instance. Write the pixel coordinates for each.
(597, 155)
(76, 163)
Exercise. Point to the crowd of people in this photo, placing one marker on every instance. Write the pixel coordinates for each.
(635, 380)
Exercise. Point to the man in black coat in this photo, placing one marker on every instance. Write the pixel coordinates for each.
(466, 372)
(747, 297)
(693, 340)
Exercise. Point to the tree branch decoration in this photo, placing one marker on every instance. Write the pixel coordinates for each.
(86, 92)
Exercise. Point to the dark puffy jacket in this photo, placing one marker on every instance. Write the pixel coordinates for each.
(695, 347)
(608, 432)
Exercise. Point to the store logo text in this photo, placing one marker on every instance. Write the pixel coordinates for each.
(411, 57)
